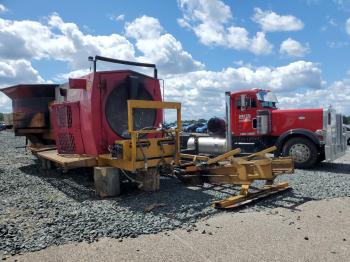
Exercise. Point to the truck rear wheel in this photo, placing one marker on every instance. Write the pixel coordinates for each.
(303, 151)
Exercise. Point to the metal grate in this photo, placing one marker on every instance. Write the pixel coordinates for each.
(66, 143)
(64, 116)
(65, 119)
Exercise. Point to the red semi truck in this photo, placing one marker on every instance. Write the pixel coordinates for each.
(253, 122)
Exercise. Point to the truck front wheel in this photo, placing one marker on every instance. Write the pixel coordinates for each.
(303, 151)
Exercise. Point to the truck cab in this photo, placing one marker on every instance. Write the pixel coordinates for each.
(254, 122)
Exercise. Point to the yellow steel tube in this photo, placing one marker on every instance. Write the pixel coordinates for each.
(152, 105)
(224, 156)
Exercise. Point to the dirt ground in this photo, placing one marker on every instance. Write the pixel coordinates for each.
(313, 231)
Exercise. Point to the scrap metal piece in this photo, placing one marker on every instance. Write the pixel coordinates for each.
(247, 198)
(224, 156)
(227, 169)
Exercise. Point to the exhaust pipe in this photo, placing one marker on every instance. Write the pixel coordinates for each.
(124, 62)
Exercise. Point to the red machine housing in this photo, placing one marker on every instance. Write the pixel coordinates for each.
(90, 113)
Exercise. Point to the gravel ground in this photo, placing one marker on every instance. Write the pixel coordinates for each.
(40, 208)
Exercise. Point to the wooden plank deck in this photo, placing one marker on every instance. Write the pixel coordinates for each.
(36, 150)
(68, 161)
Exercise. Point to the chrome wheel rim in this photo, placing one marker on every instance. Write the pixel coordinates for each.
(300, 152)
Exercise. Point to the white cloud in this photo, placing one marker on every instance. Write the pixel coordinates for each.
(331, 22)
(2, 8)
(259, 44)
(5, 103)
(237, 38)
(161, 47)
(14, 72)
(62, 77)
(337, 44)
(272, 22)
(343, 4)
(202, 92)
(117, 18)
(79, 45)
(293, 48)
(209, 20)
(144, 27)
(347, 26)
(58, 40)
(336, 95)
(64, 41)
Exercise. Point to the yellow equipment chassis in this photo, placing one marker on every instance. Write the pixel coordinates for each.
(227, 169)
(145, 157)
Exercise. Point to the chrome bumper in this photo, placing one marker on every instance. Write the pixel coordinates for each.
(335, 140)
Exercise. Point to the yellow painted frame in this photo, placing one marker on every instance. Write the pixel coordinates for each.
(144, 104)
(133, 163)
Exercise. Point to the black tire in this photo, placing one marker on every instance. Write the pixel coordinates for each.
(306, 150)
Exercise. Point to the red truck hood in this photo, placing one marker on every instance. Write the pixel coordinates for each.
(288, 119)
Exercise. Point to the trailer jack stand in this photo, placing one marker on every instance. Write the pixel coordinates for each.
(245, 197)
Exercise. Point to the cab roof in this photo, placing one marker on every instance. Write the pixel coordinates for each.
(248, 91)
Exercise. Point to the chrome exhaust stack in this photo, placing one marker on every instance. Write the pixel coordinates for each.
(228, 121)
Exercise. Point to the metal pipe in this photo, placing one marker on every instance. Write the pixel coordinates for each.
(155, 73)
(124, 62)
(90, 58)
(228, 121)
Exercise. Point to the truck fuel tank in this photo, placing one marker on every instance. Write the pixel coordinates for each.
(207, 145)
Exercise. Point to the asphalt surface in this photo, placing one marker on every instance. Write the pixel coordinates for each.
(39, 209)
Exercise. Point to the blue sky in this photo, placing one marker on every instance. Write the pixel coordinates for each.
(300, 48)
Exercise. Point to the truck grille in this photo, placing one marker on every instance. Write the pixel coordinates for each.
(335, 141)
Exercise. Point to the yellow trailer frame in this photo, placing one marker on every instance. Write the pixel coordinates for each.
(144, 156)
(149, 152)
(227, 169)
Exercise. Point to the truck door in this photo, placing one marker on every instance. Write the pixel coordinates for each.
(246, 117)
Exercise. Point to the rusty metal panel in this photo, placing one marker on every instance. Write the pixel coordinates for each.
(30, 105)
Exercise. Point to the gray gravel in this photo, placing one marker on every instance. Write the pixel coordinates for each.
(40, 208)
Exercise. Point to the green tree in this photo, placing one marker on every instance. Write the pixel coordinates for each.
(1, 117)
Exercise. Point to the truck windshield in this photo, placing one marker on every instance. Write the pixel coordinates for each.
(267, 99)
